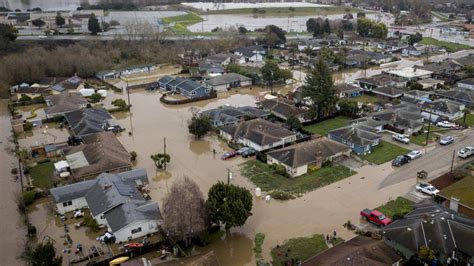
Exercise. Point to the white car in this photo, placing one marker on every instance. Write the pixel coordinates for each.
(401, 138)
(414, 154)
(427, 189)
(446, 124)
(466, 152)
(446, 140)
(78, 214)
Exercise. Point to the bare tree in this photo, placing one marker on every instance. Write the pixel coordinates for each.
(184, 211)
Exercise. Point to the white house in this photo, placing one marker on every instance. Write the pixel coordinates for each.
(250, 54)
(258, 134)
(115, 201)
(466, 84)
(228, 81)
(446, 109)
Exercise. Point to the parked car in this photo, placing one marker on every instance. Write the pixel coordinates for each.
(401, 138)
(375, 217)
(446, 140)
(228, 155)
(466, 152)
(78, 214)
(446, 124)
(249, 152)
(400, 160)
(427, 189)
(414, 154)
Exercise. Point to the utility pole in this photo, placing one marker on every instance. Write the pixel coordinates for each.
(128, 96)
(428, 134)
(164, 148)
(229, 176)
(452, 162)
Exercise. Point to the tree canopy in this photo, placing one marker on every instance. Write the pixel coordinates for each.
(274, 35)
(369, 28)
(93, 25)
(229, 204)
(199, 126)
(8, 34)
(271, 74)
(185, 213)
(44, 255)
(415, 38)
(38, 23)
(320, 89)
(161, 159)
(60, 21)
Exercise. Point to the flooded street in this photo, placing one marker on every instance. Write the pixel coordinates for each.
(325, 209)
(12, 230)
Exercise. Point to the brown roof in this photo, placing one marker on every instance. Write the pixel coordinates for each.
(346, 87)
(306, 152)
(31, 90)
(360, 250)
(103, 152)
(258, 131)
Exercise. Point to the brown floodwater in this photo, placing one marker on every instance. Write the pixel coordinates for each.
(12, 230)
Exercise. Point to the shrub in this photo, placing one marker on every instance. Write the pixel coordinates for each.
(281, 195)
(27, 126)
(90, 222)
(95, 97)
(25, 98)
(31, 230)
(133, 155)
(29, 197)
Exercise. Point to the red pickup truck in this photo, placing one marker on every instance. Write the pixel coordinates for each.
(375, 217)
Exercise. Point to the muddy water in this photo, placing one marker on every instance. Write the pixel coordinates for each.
(12, 229)
(321, 211)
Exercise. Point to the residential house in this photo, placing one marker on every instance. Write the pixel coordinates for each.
(410, 73)
(458, 196)
(430, 83)
(210, 69)
(254, 53)
(72, 84)
(360, 138)
(114, 74)
(446, 109)
(356, 60)
(63, 103)
(381, 80)
(163, 81)
(402, 118)
(99, 152)
(346, 90)
(192, 89)
(228, 81)
(394, 46)
(412, 51)
(299, 157)
(466, 84)
(442, 230)
(24, 90)
(173, 85)
(359, 250)
(258, 134)
(387, 92)
(222, 59)
(417, 95)
(229, 115)
(458, 95)
(284, 109)
(88, 121)
(379, 58)
(443, 69)
(114, 200)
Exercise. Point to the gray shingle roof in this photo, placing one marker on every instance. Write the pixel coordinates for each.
(88, 121)
(64, 103)
(306, 152)
(227, 79)
(446, 106)
(72, 191)
(130, 212)
(358, 134)
(229, 114)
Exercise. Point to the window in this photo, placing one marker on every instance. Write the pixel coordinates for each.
(136, 230)
(67, 203)
(193, 93)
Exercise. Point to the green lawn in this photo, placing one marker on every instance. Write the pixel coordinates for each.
(301, 249)
(42, 175)
(182, 22)
(285, 11)
(322, 128)
(400, 205)
(365, 99)
(469, 120)
(384, 152)
(264, 176)
(450, 47)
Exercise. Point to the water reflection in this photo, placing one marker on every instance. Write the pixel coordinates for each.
(199, 147)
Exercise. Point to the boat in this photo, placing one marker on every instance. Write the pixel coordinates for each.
(118, 260)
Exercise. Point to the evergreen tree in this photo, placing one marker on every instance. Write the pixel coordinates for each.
(327, 27)
(320, 89)
(60, 21)
(93, 25)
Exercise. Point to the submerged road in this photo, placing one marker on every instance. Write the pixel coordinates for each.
(436, 161)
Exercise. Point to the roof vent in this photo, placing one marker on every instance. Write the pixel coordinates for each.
(445, 236)
(409, 228)
(107, 187)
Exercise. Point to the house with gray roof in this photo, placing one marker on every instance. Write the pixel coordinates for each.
(71, 84)
(63, 103)
(229, 115)
(346, 90)
(359, 137)
(254, 53)
(444, 108)
(448, 234)
(88, 121)
(458, 95)
(191, 89)
(387, 92)
(114, 200)
(466, 84)
(228, 81)
(403, 118)
(299, 157)
(284, 109)
(258, 134)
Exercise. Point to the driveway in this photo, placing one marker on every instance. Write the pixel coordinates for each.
(436, 161)
(387, 136)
